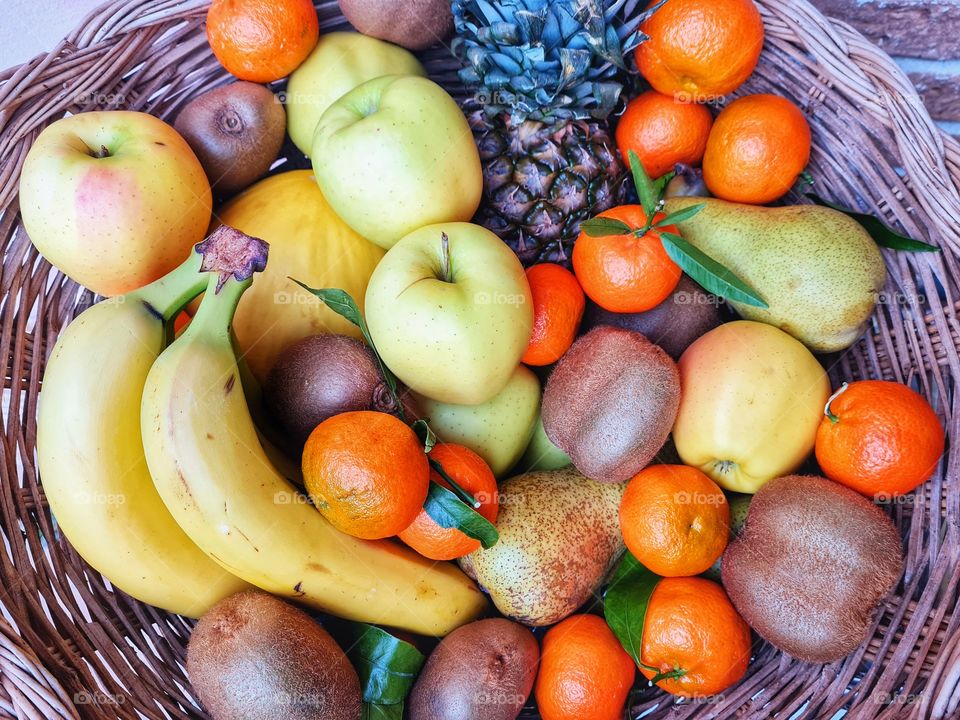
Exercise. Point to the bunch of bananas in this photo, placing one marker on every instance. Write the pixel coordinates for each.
(154, 470)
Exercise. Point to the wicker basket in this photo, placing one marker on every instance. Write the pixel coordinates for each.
(72, 647)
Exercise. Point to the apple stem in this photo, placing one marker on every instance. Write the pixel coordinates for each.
(444, 257)
(826, 408)
(102, 152)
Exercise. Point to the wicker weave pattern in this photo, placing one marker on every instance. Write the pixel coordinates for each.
(70, 647)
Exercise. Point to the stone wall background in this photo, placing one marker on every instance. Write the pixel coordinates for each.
(922, 36)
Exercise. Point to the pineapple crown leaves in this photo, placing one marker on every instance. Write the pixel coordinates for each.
(545, 59)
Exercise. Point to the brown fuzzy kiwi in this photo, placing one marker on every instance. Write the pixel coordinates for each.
(610, 403)
(482, 670)
(811, 565)
(685, 315)
(324, 375)
(255, 657)
(236, 132)
(413, 24)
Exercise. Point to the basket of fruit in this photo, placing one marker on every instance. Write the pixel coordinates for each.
(484, 359)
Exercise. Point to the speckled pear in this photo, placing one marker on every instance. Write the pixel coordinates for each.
(817, 269)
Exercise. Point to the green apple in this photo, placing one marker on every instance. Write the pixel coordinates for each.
(541, 454)
(450, 312)
(499, 429)
(395, 154)
(113, 199)
(340, 62)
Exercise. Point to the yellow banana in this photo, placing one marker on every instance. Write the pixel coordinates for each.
(203, 452)
(91, 456)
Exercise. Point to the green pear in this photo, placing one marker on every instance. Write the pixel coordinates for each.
(542, 454)
(559, 538)
(818, 270)
(498, 430)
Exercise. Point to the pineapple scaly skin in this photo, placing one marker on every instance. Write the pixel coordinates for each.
(545, 75)
(542, 180)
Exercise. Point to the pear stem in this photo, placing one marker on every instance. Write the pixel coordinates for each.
(826, 408)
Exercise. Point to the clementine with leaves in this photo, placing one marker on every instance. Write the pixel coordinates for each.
(367, 473)
(473, 475)
(631, 272)
(879, 438)
(693, 638)
(584, 671)
(262, 40)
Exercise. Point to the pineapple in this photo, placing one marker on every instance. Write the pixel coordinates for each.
(544, 74)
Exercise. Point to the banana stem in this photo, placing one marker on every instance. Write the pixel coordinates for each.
(215, 314)
(226, 253)
(170, 294)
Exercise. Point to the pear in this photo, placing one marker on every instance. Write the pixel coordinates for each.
(559, 538)
(817, 269)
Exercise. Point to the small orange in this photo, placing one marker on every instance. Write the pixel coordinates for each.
(262, 40)
(692, 630)
(758, 146)
(675, 520)
(584, 671)
(366, 472)
(472, 474)
(880, 438)
(558, 304)
(625, 273)
(663, 131)
(701, 50)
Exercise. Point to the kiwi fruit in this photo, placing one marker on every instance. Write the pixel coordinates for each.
(324, 375)
(811, 565)
(413, 24)
(610, 403)
(674, 324)
(236, 132)
(255, 657)
(482, 670)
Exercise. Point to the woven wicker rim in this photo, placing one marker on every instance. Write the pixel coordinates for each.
(71, 647)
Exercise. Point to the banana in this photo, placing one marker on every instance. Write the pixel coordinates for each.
(208, 465)
(91, 456)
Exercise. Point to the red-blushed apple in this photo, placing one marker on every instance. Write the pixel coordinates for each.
(113, 199)
(396, 154)
(450, 312)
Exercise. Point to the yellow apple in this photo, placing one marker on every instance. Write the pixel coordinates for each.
(114, 199)
(450, 312)
(395, 154)
(340, 62)
(498, 430)
(752, 398)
